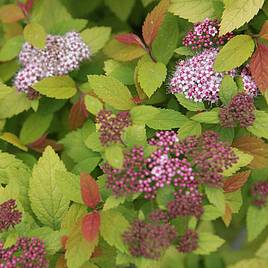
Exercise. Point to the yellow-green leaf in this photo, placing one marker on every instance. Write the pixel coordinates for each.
(35, 34)
(14, 140)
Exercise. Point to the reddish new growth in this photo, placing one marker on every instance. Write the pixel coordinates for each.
(188, 242)
(259, 192)
(9, 215)
(149, 240)
(26, 253)
(239, 111)
(205, 34)
(112, 126)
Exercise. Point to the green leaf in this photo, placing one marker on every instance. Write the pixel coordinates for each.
(96, 38)
(58, 87)
(70, 25)
(262, 252)
(228, 89)
(211, 117)
(172, 259)
(8, 70)
(193, 10)
(185, 51)
(257, 220)
(151, 76)
(31, 131)
(211, 213)
(234, 200)
(234, 53)
(120, 8)
(134, 135)
(111, 91)
(114, 155)
(237, 13)
(93, 104)
(47, 201)
(188, 104)
(14, 140)
(113, 202)
(35, 34)
(190, 128)
(113, 225)
(93, 142)
(250, 263)
(166, 40)
(208, 243)
(216, 197)
(69, 184)
(11, 48)
(143, 113)
(167, 119)
(260, 125)
(164, 196)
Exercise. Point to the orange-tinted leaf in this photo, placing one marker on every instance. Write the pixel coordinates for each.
(89, 190)
(235, 182)
(256, 147)
(153, 22)
(78, 114)
(264, 30)
(10, 13)
(227, 218)
(97, 252)
(12, 29)
(61, 262)
(259, 67)
(63, 241)
(91, 225)
(130, 38)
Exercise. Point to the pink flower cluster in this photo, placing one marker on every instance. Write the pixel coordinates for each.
(149, 240)
(26, 253)
(239, 111)
(188, 242)
(205, 34)
(112, 126)
(196, 78)
(9, 215)
(259, 192)
(249, 84)
(61, 55)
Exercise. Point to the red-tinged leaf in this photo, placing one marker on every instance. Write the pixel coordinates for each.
(259, 67)
(78, 114)
(91, 225)
(264, 30)
(130, 38)
(235, 182)
(63, 241)
(29, 5)
(10, 13)
(256, 147)
(153, 22)
(227, 217)
(41, 144)
(97, 252)
(61, 262)
(89, 190)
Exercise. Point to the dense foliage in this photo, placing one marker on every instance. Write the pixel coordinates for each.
(134, 133)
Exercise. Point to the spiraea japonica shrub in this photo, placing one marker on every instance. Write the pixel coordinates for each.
(133, 133)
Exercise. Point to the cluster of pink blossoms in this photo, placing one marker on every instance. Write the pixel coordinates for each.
(205, 34)
(250, 85)
(61, 55)
(239, 111)
(259, 192)
(9, 215)
(26, 253)
(188, 242)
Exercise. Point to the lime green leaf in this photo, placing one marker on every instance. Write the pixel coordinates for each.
(185, 51)
(113, 202)
(70, 25)
(8, 69)
(113, 225)
(143, 113)
(58, 87)
(190, 128)
(211, 213)
(234, 53)
(234, 200)
(167, 119)
(96, 37)
(14, 140)
(260, 125)
(211, 117)
(134, 135)
(47, 201)
(216, 197)
(208, 243)
(166, 40)
(237, 13)
(11, 48)
(11, 239)
(93, 104)
(172, 259)
(228, 89)
(120, 8)
(193, 10)
(35, 34)
(114, 155)
(93, 142)
(69, 184)
(111, 91)
(257, 220)
(250, 263)
(164, 196)
(189, 104)
(262, 252)
(151, 76)
(243, 160)
(31, 131)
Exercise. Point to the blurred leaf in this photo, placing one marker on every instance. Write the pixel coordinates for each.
(75, 25)
(78, 114)
(91, 226)
(35, 34)
(227, 217)
(216, 197)
(264, 30)
(250, 263)
(14, 140)
(121, 9)
(10, 13)
(11, 48)
(228, 89)
(164, 196)
(185, 51)
(262, 252)
(211, 213)
(114, 155)
(235, 182)
(260, 125)
(130, 39)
